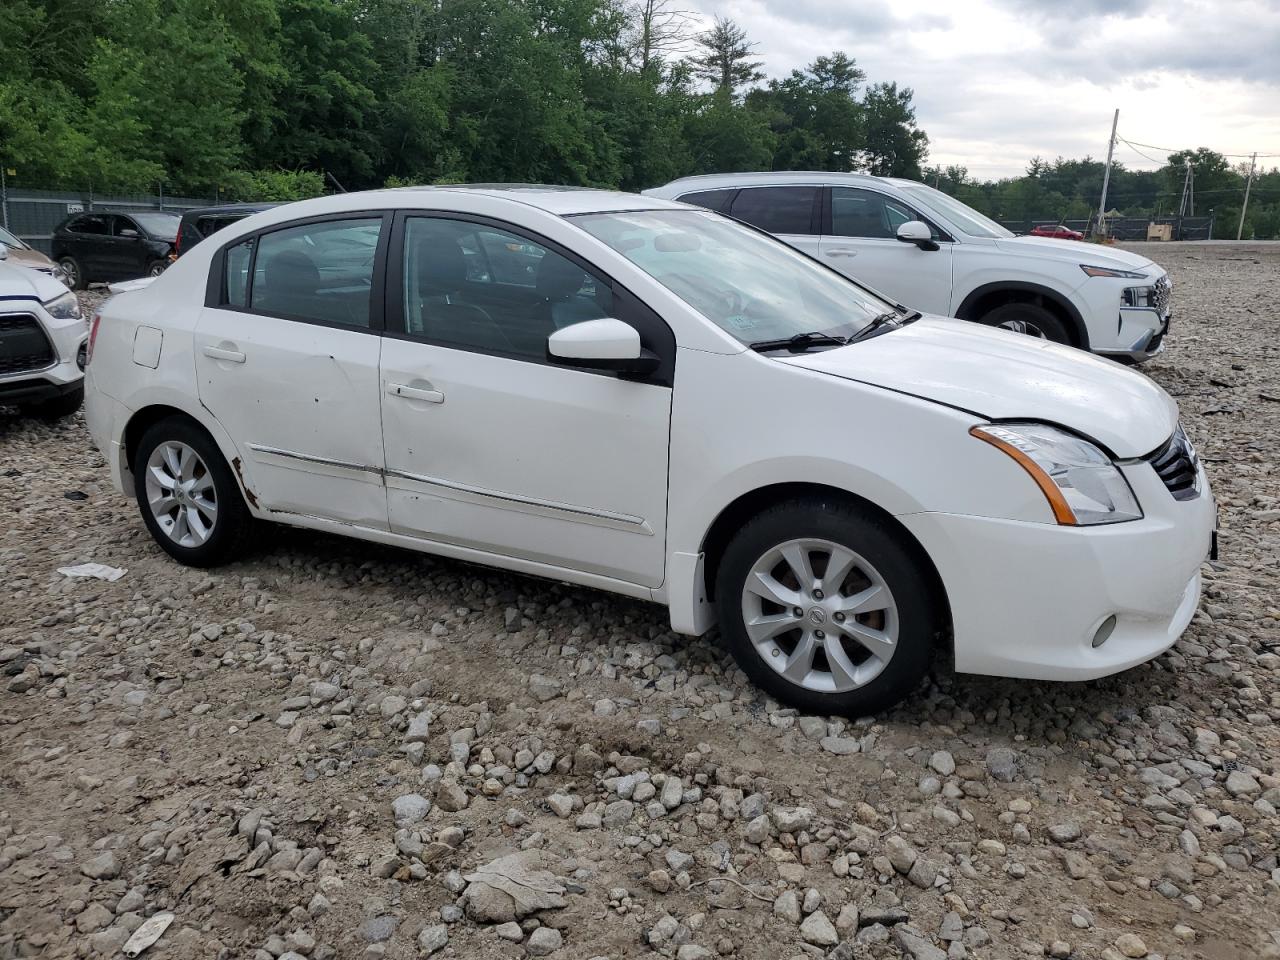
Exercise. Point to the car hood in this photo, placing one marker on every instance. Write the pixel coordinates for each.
(22, 282)
(1089, 254)
(28, 258)
(1001, 375)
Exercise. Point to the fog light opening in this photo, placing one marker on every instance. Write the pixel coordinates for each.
(82, 356)
(1104, 631)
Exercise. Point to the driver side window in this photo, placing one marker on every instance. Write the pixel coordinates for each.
(867, 214)
(477, 287)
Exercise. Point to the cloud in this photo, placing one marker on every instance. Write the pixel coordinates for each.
(999, 81)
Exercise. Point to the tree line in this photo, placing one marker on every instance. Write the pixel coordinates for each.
(282, 99)
(273, 99)
(1071, 190)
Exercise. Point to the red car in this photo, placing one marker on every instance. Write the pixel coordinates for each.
(1058, 232)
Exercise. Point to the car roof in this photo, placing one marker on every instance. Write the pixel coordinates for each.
(710, 181)
(563, 201)
(245, 208)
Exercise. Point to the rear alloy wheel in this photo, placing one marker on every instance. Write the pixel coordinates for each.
(1029, 318)
(188, 497)
(155, 268)
(824, 608)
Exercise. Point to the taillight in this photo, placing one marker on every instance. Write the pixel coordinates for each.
(177, 244)
(93, 336)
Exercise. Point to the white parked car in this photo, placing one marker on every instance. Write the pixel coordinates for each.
(925, 249)
(42, 342)
(652, 399)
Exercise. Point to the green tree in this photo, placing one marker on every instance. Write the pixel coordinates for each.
(815, 115)
(724, 58)
(892, 144)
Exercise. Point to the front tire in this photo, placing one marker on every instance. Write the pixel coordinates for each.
(72, 275)
(156, 267)
(1029, 318)
(187, 495)
(824, 607)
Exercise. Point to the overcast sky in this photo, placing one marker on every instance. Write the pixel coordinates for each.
(998, 82)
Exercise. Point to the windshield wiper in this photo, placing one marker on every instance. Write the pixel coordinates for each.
(800, 342)
(882, 320)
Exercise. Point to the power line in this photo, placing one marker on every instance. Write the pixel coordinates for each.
(1139, 152)
(1152, 146)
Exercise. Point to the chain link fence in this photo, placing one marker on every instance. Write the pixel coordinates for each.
(1125, 228)
(32, 215)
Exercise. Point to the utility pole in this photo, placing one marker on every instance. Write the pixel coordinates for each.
(1106, 176)
(1186, 186)
(1253, 162)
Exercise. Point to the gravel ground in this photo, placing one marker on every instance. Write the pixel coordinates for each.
(340, 750)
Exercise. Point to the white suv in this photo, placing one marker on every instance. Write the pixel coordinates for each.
(42, 343)
(925, 249)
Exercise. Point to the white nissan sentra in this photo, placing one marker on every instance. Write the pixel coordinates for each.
(649, 398)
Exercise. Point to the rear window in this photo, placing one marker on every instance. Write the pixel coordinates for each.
(715, 200)
(318, 271)
(777, 209)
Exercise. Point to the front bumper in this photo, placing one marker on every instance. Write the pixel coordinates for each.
(63, 373)
(1149, 329)
(1027, 599)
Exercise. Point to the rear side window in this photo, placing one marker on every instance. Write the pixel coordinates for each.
(238, 260)
(777, 209)
(317, 271)
(92, 223)
(715, 200)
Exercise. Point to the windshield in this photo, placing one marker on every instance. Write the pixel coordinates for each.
(163, 226)
(962, 216)
(9, 240)
(750, 285)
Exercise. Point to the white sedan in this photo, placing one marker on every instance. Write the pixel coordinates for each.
(652, 399)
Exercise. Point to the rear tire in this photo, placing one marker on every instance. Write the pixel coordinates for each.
(57, 407)
(187, 495)
(856, 638)
(1029, 318)
(155, 268)
(73, 275)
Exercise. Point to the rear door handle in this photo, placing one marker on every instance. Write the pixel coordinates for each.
(218, 353)
(414, 393)
(842, 252)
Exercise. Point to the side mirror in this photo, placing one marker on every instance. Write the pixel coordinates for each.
(917, 232)
(4, 252)
(128, 233)
(604, 344)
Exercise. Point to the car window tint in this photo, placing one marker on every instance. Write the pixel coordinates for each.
(124, 227)
(866, 213)
(319, 271)
(776, 209)
(93, 223)
(711, 199)
(478, 287)
(236, 277)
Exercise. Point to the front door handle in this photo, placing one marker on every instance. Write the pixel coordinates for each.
(218, 353)
(414, 393)
(842, 252)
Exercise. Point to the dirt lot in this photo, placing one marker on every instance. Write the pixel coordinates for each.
(308, 753)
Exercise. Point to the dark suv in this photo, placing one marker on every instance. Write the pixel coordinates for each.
(103, 247)
(202, 222)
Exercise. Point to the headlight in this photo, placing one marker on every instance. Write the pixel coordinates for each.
(65, 307)
(1080, 482)
(1110, 272)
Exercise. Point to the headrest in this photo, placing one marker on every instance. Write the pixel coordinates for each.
(291, 270)
(443, 268)
(558, 278)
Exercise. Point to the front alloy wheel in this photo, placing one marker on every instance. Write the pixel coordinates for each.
(820, 615)
(828, 606)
